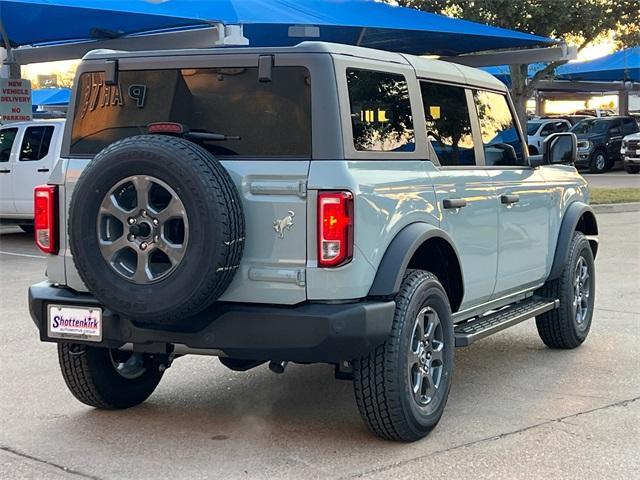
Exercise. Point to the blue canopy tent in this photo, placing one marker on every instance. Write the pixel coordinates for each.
(50, 96)
(265, 23)
(618, 72)
(502, 73)
(620, 66)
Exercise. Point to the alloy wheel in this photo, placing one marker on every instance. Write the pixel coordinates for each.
(143, 229)
(582, 292)
(426, 357)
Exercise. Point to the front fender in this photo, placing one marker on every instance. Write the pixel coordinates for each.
(570, 221)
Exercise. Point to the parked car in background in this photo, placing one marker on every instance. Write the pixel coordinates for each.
(572, 119)
(538, 130)
(630, 152)
(600, 140)
(28, 151)
(596, 112)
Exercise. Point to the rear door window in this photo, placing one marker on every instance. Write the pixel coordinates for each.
(271, 118)
(7, 137)
(448, 123)
(35, 143)
(381, 116)
(503, 145)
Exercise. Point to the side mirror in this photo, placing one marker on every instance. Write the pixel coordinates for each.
(497, 154)
(560, 148)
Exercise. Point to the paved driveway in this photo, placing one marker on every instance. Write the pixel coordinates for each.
(516, 410)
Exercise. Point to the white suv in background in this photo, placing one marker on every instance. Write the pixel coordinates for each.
(28, 151)
(539, 129)
(630, 152)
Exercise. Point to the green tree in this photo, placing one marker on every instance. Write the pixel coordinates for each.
(578, 22)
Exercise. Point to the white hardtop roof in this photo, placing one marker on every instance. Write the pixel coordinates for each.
(35, 121)
(425, 67)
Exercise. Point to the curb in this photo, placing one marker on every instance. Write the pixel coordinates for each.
(616, 207)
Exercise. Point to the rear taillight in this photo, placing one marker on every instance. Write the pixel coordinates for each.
(45, 209)
(335, 228)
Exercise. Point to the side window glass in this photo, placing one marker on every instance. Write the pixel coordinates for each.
(547, 129)
(500, 137)
(7, 137)
(629, 125)
(448, 124)
(35, 143)
(380, 111)
(562, 127)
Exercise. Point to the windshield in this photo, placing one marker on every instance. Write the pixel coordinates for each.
(264, 118)
(591, 125)
(532, 128)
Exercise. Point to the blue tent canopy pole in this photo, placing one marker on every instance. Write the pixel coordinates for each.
(14, 67)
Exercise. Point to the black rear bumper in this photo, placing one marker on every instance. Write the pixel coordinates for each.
(309, 332)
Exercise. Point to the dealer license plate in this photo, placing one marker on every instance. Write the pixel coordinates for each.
(75, 323)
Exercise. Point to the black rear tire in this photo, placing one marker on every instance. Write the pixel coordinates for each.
(385, 380)
(212, 233)
(92, 377)
(565, 327)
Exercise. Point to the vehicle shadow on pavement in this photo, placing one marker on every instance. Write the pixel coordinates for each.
(504, 376)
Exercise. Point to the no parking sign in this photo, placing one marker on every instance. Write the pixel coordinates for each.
(15, 99)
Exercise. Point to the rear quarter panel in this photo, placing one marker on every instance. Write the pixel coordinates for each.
(389, 195)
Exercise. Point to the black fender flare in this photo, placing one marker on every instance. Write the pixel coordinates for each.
(572, 216)
(399, 253)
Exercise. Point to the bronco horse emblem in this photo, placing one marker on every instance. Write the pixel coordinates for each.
(284, 224)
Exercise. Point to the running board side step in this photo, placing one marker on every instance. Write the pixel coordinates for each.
(480, 327)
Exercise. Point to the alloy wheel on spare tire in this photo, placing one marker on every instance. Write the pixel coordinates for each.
(156, 229)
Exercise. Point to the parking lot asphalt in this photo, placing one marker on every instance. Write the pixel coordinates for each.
(612, 179)
(517, 409)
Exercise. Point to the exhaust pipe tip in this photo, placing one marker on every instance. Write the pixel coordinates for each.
(277, 367)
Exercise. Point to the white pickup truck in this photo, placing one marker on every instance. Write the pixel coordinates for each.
(28, 151)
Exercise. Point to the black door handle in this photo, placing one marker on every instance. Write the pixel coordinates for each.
(5, 171)
(454, 203)
(508, 199)
(43, 169)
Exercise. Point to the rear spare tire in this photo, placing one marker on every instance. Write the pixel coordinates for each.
(156, 229)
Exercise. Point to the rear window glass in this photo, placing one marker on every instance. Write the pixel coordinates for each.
(271, 118)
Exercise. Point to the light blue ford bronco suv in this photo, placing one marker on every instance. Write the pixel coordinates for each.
(316, 203)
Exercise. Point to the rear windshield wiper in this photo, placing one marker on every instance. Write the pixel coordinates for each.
(209, 136)
(174, 128)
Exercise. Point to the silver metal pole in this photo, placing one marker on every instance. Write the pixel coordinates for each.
(14, 68)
